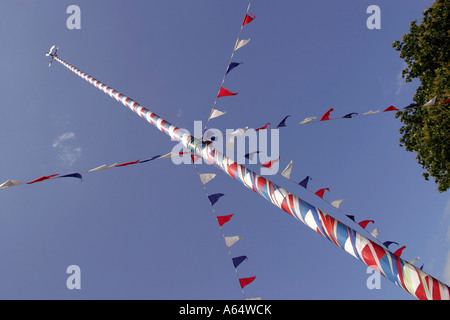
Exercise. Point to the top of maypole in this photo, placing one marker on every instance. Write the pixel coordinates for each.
(52, 53)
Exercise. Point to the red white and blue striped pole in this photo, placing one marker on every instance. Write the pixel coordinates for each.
(408, 277)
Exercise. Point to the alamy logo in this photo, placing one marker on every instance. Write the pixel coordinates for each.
(242, 146)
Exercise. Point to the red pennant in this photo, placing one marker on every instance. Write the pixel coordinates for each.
(364, 223)
(263, 128)
(42, 178)
(321, 192)
(398, 253)
(224, 92)
(390, 108)
(326, 116)
(446, 101)
(223, 219)
(246, 281)
(269, 163)
(248, 18)
(194, 158)
(127, 163)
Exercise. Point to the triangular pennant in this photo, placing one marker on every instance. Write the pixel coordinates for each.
(223, 219)
(238, 132)
(72, 175)
(240, 44)
(283, 122)
(304, 182)
(251, 154)
(194, 158)
(248, 19)
(321, 192)
(229, 241)
(152, 158)
(103, 167)
(337, 203)
(371, 112)
(232, 65)
(42, 178)
(238, 260)
(263, 128)
(216, 113)
(206, 177)
(364, 223)
(388, 243)
(10, 183)
(308, 120)
(214, 197)
(375, 232)
(414, 260)
(127, 163)
(245, 281)
(351, 217)
(326, 116)
(431, 102)
(269, 164)
(224, 92)
(287, 171)
(412, 105)
(399, 251)
(349, 115)
(390, 108)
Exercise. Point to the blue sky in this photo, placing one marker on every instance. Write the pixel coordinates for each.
(147, 231)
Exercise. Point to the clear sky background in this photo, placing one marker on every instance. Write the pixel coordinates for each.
(147, 231)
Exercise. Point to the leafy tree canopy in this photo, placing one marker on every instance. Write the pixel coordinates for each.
(426, 130)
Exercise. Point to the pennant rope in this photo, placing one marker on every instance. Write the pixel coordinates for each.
(231, 65)
(221, 221)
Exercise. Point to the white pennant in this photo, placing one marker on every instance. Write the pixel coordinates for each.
(307, 120)
(375, 232)
(206, 177)
(103, 167)
(229, 241)
(10, 183)
(240, 44)
(216, 113)
(287, 171)
(414, 260)
(371, 112)
(431, 102)
(337, 203)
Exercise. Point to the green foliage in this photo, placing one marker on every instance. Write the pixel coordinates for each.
(426, 130)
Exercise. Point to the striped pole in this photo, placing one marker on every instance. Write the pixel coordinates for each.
(404, 274)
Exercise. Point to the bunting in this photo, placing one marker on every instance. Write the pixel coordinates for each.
(399, 251)
(390, 108)
(320, 192)
(79, 175)
(215, 197)
(238, 260)
(240, 44)
(246, 281)
(231, 66)
(224, 93)
(224, 219)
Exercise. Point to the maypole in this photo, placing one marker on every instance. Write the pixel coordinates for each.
(408, 277)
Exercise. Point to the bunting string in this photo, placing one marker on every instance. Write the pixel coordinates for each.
(326, 116)
(230, 66)
(229, 241)
(205, 178)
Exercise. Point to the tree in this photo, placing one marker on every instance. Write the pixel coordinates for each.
(426, 130)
